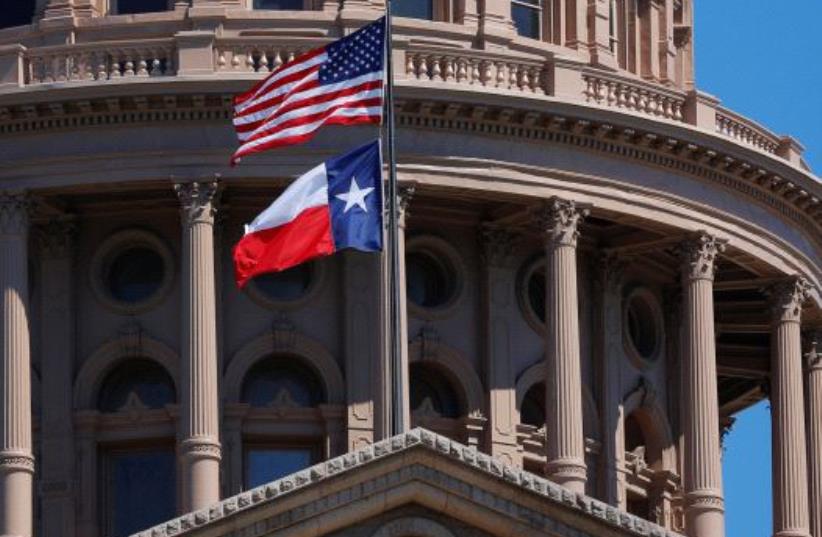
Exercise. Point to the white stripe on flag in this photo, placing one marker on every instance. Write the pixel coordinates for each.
(309, 190)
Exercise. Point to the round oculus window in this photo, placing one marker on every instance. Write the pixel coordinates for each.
(132, 271)
(430, 281)
(134, 274)
(286, 286)
(642, 326)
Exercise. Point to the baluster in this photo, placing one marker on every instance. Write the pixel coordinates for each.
(486, 72)
(142, 65)
(129, 65)
(221, 61)
(513, 75)
(475, 74)
(88, 66)
(462, 70)
(156, 67)
(589, 89)
(677, 110)
(235, 60)
(450, 73)
(422, 68)
(524, 79)
(500, 78)
(290, 56)
(611, 93)
(436, 68)
(102, 66)
(263, 62)
(278, 60)
(535, 75)
(249, 60)
(409, 65)
(621, 96)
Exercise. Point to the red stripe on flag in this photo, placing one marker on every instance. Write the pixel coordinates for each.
(272, 250)
(239, 99)
(291, 140)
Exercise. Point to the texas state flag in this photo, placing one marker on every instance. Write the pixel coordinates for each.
(334, 206)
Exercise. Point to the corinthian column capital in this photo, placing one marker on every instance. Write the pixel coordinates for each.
(698, 255)
(560, 220)
(15, 209)
(787, 297)
(498, 246)
(56, 237)
(197, 200)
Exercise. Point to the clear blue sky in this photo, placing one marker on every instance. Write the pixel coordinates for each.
(762, 59)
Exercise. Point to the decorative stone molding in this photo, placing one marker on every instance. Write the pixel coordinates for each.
(10, 461)
(194, 448)
(313, 352)
(560, 220)
(699, 255)
(499, 246)
(56, 237)
(787, 297)
(15, 211)
(427, 446)
(197, 200)
(417, 526)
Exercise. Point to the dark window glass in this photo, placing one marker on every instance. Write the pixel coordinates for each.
(429, 387)
(633, 434)
(416, 9)
(141, 490)
(642, 327)
(141, 6)
(282, 381)
(264, 465)
(429, 281)
(526, 18)
(532, 411)
(294, 5)
(16, 13)
(639, 506)
(144, 379)
(287, 285)
(536, 293)
(135, 274)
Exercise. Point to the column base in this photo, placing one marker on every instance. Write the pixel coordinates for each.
(793, 533)
(16, 487)
(704, 514)
(571, 474)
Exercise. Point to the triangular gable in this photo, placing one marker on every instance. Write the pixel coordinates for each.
(415, 468)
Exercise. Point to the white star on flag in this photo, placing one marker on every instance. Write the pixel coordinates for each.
(355, 196)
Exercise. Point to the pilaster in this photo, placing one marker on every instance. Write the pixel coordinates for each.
(16, 458)
(500, 304)
(199, 436)
(56, 240)
(599, 36)
(789, 451)
(559, 220)
(496, 27)
(704, 504)
(813, 361)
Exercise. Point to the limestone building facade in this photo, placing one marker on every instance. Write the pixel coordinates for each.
(602, 265)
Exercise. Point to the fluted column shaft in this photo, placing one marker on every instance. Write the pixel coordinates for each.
(16, 459)
(565, 443)
(814, 360)
(199, 438)
(704, 504)
(789, 459)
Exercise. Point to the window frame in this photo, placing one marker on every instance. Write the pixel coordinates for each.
(539, 8)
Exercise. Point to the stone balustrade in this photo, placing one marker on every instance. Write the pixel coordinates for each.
(746, 131)
(471, 67)
(100, 61)
(634, 95)
(255, 56)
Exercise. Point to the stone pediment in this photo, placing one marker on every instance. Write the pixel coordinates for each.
(418, 469)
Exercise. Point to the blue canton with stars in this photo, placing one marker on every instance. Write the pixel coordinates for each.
(355, 55)
(355, 198)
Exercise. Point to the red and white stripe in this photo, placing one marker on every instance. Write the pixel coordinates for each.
(290, 105)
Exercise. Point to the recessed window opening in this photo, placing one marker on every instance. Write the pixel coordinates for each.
(128, 7)
(527, 17)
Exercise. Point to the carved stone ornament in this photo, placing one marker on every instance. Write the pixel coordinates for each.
(814, 354)
(560, 219)
(17, 461)
(197, 200)
(199, 448)
(787, 298)
(699, 256)
(15, 209)
(56, 237)
(498, 245)
(284, 333)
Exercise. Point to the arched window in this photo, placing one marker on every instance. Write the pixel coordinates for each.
(138, 485)
(284, 390)
(17, 13)
(128, 7)
(435, 403)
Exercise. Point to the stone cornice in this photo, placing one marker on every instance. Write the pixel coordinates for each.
(415, 469)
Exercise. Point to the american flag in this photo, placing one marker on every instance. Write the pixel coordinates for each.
(338, 84)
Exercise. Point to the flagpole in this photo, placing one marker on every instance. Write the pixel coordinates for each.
(398, 373)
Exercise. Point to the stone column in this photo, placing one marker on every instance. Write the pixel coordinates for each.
(16, 459)
(362, 345)
(814, 364)
(199, 437)
(704, 504)
(57, 356)
(789, 452)
(565, 444)
(406, 193)
(608, 337)
(500, 306)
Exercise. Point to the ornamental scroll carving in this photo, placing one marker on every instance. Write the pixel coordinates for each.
(787, 298)
(197, 200)
(560, 219)
(699, 255)
(15, 209)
